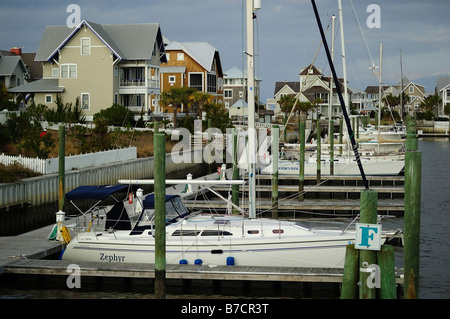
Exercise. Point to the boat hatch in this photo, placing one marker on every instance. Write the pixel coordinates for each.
(174, 209)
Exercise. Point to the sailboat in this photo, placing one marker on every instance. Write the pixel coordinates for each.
(211, 239)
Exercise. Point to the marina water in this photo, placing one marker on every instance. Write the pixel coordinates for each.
(434, 248)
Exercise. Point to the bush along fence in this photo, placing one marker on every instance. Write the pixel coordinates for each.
(73, 162)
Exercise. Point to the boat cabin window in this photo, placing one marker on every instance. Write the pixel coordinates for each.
(185, 232)
(216, 233)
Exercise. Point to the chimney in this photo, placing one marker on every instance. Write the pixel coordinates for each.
(16, 51)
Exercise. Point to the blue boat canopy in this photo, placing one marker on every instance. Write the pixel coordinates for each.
(95, 192)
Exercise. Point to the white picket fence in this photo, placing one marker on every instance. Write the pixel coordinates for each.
(74, 162)
(35, 164)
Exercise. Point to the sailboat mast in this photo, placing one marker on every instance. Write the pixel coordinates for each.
(330, 98)
(344, 65)
(251, 6)
(380, 83)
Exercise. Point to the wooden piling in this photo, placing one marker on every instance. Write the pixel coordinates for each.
(386, 261)
(235, 173)
(209, 146)
(351, 273)
(159, 141)
(301, 162)
(368, 211)
(413, 178)
(341, 133)
(331, 134)
(319, 150)
(275, 151)
(61, 163)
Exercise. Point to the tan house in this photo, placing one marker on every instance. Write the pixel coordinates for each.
(192, 64)
(415, 92)
(313, 87)
(100, 64)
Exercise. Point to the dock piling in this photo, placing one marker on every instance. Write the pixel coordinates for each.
(301, 162)
(160, 215)
(275, 152)
(61, 163)
(386, 261)
(413, 178)
(369, 209)
(235, 176)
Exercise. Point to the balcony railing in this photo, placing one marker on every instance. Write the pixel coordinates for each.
(138, 82)
(132, 82)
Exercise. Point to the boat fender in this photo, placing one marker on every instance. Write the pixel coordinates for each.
(230, 261)
(198, 262)
(183, 262)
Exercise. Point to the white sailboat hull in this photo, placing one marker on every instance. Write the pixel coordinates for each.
(342, 167)
(251, 243)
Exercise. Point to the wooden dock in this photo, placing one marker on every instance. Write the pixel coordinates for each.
(197, 272)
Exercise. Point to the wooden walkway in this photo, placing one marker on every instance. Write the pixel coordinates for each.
(201, 272)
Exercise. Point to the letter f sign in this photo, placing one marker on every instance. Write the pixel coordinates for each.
(368, 237)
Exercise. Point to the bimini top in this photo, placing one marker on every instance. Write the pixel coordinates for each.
(94, 192)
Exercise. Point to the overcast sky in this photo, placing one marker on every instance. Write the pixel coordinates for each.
(287, 36)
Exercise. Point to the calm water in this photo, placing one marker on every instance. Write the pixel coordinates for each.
(435, 220)
(434, 250)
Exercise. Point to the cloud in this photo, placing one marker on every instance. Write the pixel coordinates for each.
(287, 33)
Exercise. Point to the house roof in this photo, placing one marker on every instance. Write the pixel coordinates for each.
(240, 103)
(236, 73)
(315, 71)
(375, 89)
(39, 86)
(172, 69)
(126, 41)
(202, 52)
(294, 86)
(442, 82)
(9, 63)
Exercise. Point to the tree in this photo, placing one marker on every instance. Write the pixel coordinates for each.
(116, 115)
(175, 98)
(286, 103)
(430, 103)
(199, 99)
(219, 116)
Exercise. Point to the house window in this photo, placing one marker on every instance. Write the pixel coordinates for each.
(228, 93)
(171, 78)
(85, 101)
(168, 56)
(212, 83)
(411, 89)
(48, 98)
(196, 81)
(68, 71)
(180, 56)
(85, 46)
(55, 72)
(322, 96)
